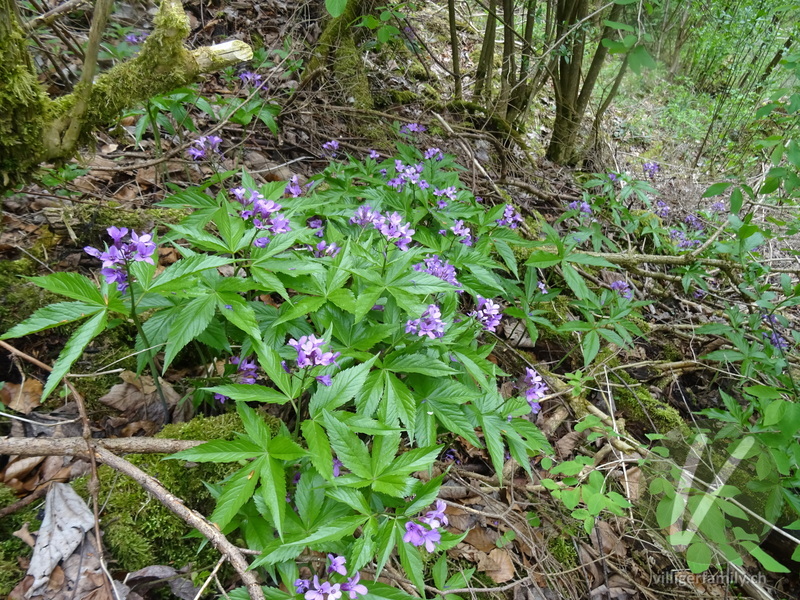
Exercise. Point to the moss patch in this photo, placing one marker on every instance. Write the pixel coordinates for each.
(139, 531)
(12, 548)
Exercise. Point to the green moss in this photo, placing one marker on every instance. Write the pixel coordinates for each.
(13, 548)
(351, 74)
(102, 217)
(563, 551)
(18, 297)
(640, 407)
(139, 530)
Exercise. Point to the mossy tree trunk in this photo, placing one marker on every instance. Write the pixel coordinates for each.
(337, 56)
(36, 129)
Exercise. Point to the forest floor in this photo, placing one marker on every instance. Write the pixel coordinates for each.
(523, 543)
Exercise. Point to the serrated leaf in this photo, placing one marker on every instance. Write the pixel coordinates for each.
(416, 363)
(348, 446)
(401, 400)
(352, 498)
(244, 392)
(220, 451)
(305, 306)
(270, 361)
(590, 344)
(493, 427)
(507, 254)
(236, 493)
(319, 448)
(542, 259)
(415, 460)
(410, 558)
(190, 322)
(257, 430)
(345, 386)
(177, 275)
(273, 491)
(240, 313)
(71, 285)
(73, 350)
(51, 316)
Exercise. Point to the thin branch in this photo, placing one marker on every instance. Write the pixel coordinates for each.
(76, 446)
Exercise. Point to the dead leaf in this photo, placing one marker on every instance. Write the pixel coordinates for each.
(19, 468)
(567, 444)
(25, 535)
(611, 543)
(156, 576)
(66, 521)
(497, 565)
(22, 398)
(483, 538)
(139, 400)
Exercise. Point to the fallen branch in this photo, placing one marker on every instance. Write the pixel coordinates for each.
(188, 516)
(76, 446)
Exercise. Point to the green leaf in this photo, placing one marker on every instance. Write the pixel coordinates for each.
(590, 345)
(344, 387)
(270, 361)
(401, 400)
(381, 591)
(507, 254)
(639, 58)
(51, 316)
(176, 276)
(542, 259)
(575, 281)
(191, 321)
(319, 448)
(71, 285)
(73, 350)
(416, 363)
(237, 491)
(716, 189)
(410, 558)
(769, 563)
(273, 490)
(240, 313)
(348, 447)
(736, 200)
(493, 427)
(417, 459)
(305, 306)
(698, 557)
(619, 26)
(257, 430)
(335, 7)
(588, 259)
(220, 451)
(243, 392)
(352, 498)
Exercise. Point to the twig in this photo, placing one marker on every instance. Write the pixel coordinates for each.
(75, 446)
(187, 515)
(51, 15)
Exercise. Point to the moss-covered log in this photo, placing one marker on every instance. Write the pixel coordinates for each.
(33, 128)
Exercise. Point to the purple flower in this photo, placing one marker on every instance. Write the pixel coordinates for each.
(133, 38)
(438, 268)
(337, 467)
(535, 389)
(582, 206)
(718, 207)
(662, 209)
(622, 288)
(353, 588)
(331, 148)
(488, 313)
(777, 340)
(374, 155)
(613, 177)
(293, 187)
(324, 380)
(324, 249)
(250, 78)
(694, 222)
(681, 238)
(436, 517)
(511, 218)
(365, 215)
(429, 323)
(324, 591)
(650, 169)
(117, 233)
(143, 245)
(301, 585)
(433, 153)
(309, 352)
(261, 242)
(279, 224)
(459, 229)
(413, 128)
(337, 564)
(115, 258)
(393, 228)
(203, 145)
(417, 535)
(542, 287)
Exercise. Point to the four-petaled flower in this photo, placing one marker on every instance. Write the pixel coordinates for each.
(488, 313)
(535, 389)
(436, 517)
(417, 535)
(310, 353)
(337, 564)
(429, 323)
(353, 588)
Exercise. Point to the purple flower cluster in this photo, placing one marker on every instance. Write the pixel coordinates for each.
(488, 313)
(317, 224)
(622, 288)
(391, 226)
(511, 218)
(613, 177)
(449, 192)
(682, 239)
(407, 174)
(718, 207)
(419, 535)
(430, 323)
(324, 249)
(694, 222)
(263, 212)
(413, 128)
(204, 145)
(662, 209)
(438, 268)
(309, 352)
(542, 287)
(434, 153)
(651, 169)
(314, 590)
(777, 340)
(374, 154)
(581, 206)
(251, 78)
(535, 389)
(135, 38)
(246, 372)
(115, 259)
(464, 232)
(331, 147)
(293, 187)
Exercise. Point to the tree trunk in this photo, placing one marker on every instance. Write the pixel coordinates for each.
(454, 48)
(483, 73)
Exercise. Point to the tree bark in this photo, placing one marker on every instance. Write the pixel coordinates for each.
(483, 73)
(35, 129)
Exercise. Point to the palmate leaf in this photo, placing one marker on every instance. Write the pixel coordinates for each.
(71, 285)
(238, 490)
(51, 316)
(73, 350)
(493, 427)
(348, 446)
(319, 448)
(344, 387)
(190, 322)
